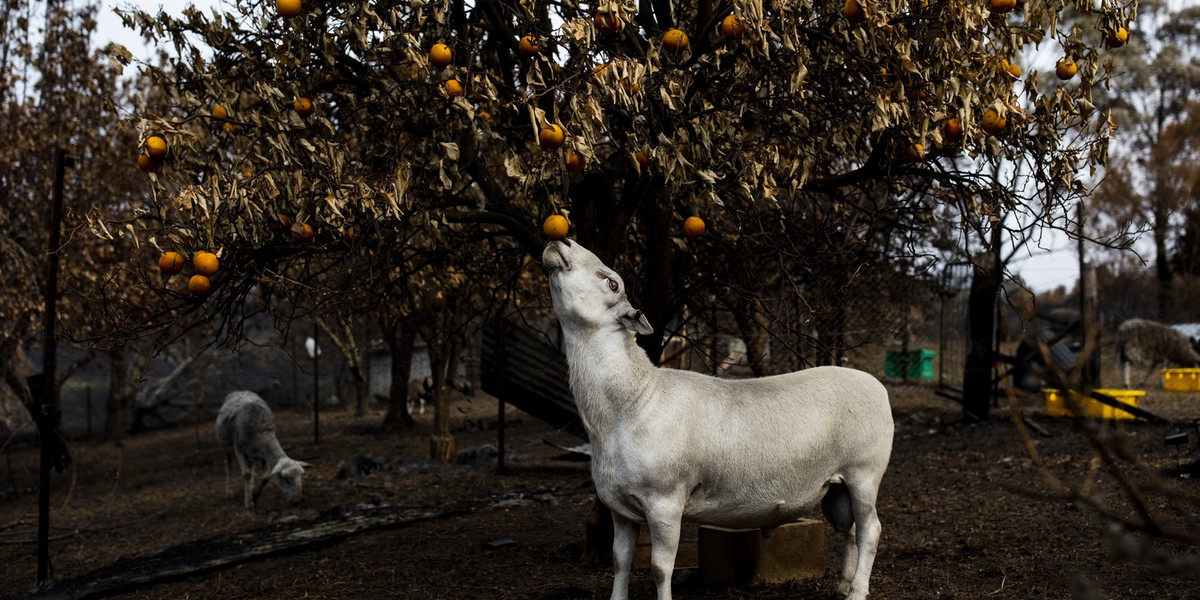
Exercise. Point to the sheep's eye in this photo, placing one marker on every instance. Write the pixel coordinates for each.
(613, 285)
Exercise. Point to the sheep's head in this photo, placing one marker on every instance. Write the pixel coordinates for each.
(585, 292)
(288, 475)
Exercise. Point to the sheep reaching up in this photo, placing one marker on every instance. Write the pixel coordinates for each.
(669, 445)
(246, 430)
(1153, 345)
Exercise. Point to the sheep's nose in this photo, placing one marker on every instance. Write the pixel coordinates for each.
(566, 242)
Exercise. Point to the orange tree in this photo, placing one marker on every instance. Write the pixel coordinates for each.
(809, 138)
(57, 93)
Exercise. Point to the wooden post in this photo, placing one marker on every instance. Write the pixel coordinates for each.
(49, 420)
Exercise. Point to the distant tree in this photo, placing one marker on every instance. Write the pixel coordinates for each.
(1151, 183)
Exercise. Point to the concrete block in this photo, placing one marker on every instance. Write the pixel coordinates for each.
(743, 557)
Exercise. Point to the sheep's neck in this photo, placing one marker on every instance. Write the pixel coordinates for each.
(609, 375)
(272, 451)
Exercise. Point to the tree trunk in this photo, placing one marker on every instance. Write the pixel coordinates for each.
(981, 327)
(442, 357)
(1162, 265)
(400, 340)
(658, 288)
(127, 368)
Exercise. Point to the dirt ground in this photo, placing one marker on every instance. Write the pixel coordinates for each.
(965, 512)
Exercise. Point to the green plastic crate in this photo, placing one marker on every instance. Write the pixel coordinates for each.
(911, 364)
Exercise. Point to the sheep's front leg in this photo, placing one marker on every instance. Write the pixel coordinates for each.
(262, 483)
(625, 535)
(665, 523)
(247, 468)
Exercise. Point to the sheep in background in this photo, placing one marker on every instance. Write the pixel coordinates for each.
(669, 444)
(1154, 345)
(246, 429)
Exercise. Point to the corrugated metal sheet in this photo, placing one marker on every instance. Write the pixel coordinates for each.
(523, 369)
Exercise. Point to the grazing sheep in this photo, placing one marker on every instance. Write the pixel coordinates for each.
(669, 445)
(1153, 345)
(246, 429)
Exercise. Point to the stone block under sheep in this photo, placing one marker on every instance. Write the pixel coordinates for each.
(246, 431)
(671, 445)
(1152, 345)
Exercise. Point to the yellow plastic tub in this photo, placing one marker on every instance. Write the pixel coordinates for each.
(1056, 404)
(1181, 380)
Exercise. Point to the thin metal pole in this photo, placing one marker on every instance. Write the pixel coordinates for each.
(48, 414)
(502, 358)
(316, 385)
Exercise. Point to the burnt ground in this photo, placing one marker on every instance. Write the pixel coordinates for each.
(965, 512)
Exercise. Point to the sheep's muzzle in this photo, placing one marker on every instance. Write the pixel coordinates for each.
(554, 256)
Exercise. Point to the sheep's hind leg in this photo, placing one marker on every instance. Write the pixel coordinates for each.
(625, 535)
(865, 537)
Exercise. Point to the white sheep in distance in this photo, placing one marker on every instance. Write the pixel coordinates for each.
(246, 430)
(669, 445)
(1153, 345)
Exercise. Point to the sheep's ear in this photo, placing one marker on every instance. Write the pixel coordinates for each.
(634, 320)
(278, 468)
(303, 464)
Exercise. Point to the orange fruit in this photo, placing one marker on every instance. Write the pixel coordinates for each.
(170, 263)
(732, 28)
(302, 232)
(199, 285)
(575, 161)
(674, 40)
(556, 227)
(953, 129)
(303, 107)
(693, 227)
(440, 55)
(288, 8)
(231, 128)
(205, 263)
(1116, 39)
(528, 46)
(551, 137)
(914, 152)
(148, 164)
(156, 147)
(607, 23)
(220, 112)
(1065, 68)
(641, 157)
(1003, 6)
(452, 88)
(993, 122)
(854, 12)
(1012, 69)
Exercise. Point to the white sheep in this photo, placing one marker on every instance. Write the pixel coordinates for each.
(1153, 345)
(669, 445)
(246, 430)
